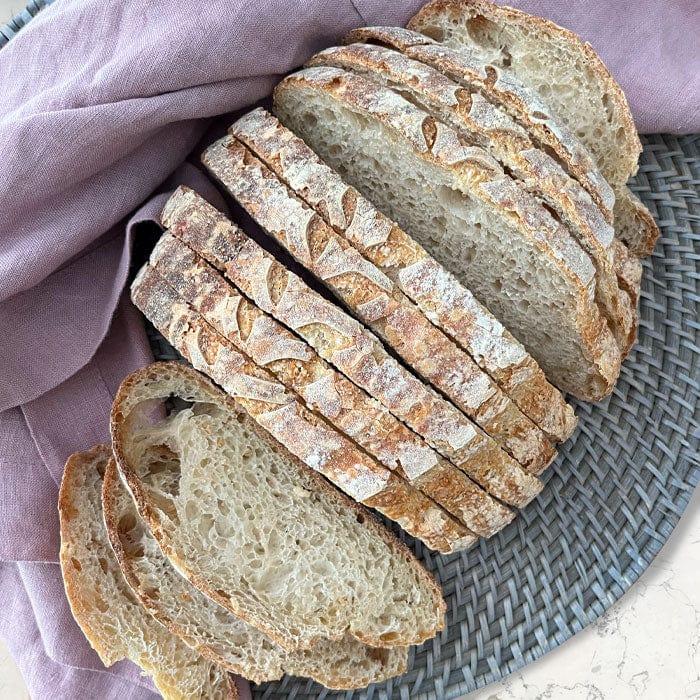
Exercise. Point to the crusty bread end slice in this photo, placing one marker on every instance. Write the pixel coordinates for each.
(634, 224)
(569, 76)
(114, 622)
(255, 529)
(212, 630)
(628, 268)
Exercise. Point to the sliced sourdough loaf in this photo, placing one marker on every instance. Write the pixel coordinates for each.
(294, 363)
(498, 240)
(568, 76)
(257, 531)
(377, 302)
(477, 122)
(114, 622)
(212, 630)
(502, 88)
(438, 293)
(345, 343)
(303, 433)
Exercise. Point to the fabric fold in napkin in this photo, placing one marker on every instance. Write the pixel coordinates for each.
(100, 105)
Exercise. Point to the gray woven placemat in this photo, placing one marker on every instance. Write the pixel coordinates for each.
(612, 497)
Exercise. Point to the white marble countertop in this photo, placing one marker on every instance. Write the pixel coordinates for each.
(646, 647)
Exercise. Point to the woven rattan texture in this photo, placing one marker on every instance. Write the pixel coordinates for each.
(612, 497)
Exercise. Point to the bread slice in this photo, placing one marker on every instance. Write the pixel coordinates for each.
(519, 262)
(628, 269)
(213, 631)
(568, 76)
(345, 343)
(438, 293)
(324, 389)
(501, 87)
(114, 622)
(316, 443)
(477, 122)
(256, 530)
(377, 301)
(634, 224)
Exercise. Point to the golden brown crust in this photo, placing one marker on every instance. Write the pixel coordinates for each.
(637, 228)
(478, 122)
(628, 269)
(500, 86)
(377, 301)
(152, 375)
(419, 276)
(80, 604)
(345, 343)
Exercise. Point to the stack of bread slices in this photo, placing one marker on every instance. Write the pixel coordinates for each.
(453, 200)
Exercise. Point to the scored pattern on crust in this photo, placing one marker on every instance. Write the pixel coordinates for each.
(481, 174)
(600, 356)
(479, 122)
(541, 176)
(324, 389)
(633, 222)
(303, 433)
(378, 302)
(546, 29)
(345, 343)
(438, 293)
(508, 92)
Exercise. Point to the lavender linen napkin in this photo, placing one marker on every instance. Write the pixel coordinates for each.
(100, 103)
